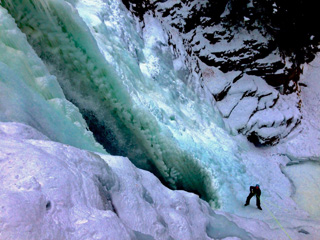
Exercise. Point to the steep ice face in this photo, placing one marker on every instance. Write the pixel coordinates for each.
(131, 95)
(29, 94)
(54, 191)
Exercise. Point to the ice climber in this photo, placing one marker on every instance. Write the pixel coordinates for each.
(254, 190)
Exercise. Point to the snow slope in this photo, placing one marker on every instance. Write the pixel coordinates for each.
(55, 191)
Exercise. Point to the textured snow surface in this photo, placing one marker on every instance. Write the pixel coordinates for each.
(303, 145)
(55, 191)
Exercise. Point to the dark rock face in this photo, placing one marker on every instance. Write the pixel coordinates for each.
(255, 86)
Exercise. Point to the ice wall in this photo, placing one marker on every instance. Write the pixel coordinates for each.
(30, 94)
(130, 95)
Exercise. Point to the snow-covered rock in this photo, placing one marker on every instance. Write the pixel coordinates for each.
(205, 42)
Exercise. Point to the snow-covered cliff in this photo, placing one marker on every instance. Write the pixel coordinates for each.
(255, 86)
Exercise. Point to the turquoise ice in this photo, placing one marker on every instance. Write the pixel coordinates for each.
(31, 95)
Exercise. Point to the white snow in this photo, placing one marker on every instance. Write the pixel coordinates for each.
(306, 180)
(54, 191)
(305, 141)
(302, 146)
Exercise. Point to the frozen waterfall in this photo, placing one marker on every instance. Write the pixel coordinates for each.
(124, 82)
(86, 74)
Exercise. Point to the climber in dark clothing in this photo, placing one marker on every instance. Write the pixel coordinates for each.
(254, 191)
